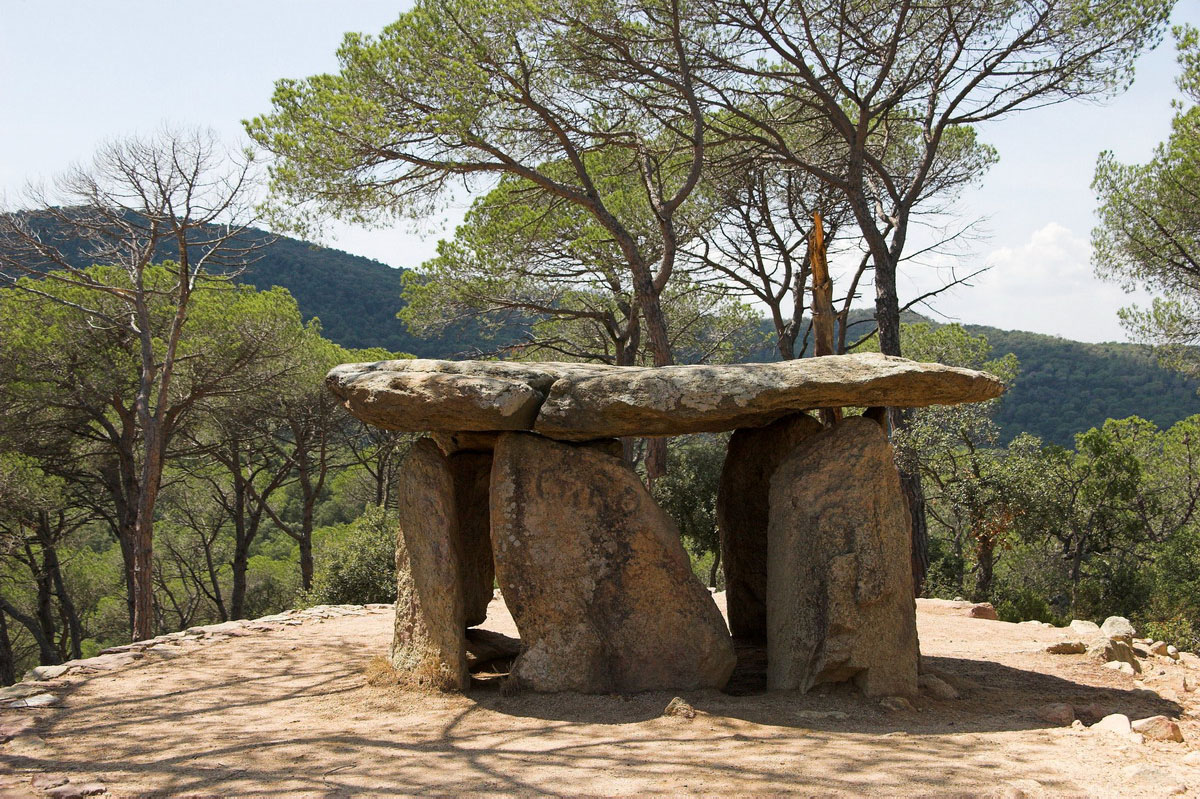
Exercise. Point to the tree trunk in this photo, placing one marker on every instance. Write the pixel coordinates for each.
(215, 581)
(237, 597)
(985, 560)
(8, 665)
(306, 561)
(47, 654)
(887, 317)
(822, 292)
(822, 306)
(70, 615)
(656, 459)
(143, 580)
(716, 568)
(45, 595)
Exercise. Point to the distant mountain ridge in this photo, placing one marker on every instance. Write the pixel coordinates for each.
(1064, 387)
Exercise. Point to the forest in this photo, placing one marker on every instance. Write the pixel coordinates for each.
(649, 189)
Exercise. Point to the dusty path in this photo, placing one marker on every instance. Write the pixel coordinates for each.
(286, 711)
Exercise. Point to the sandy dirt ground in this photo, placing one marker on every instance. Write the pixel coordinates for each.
(288, 712)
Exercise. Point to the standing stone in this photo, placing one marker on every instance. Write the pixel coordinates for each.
(429, 646)
(839, 584)
(472, 472)
(596, 578)
(742, 516)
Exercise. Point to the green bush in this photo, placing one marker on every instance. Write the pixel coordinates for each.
(1024, 605)
(355, 564)
(1177, 630)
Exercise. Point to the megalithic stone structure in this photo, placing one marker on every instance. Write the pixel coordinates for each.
(526, 481)
(743, 512)
(596, 577)
(430, 642)
(839, 588)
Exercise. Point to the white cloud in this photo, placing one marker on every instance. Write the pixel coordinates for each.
(1044, 285)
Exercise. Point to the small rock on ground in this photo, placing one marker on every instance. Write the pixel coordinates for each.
(48, 672)
(1067, 648)
(1160, 728)
(983, 610)
(1118, 627)
(896, 703)
(1058, 713)
(936, 687)
(1115, 722)
(1019, 789)
(1117, 665)
(37, 700)
(44, 782)
(680, 708)
(77, 790)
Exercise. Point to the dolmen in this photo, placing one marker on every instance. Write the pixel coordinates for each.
(521, 482)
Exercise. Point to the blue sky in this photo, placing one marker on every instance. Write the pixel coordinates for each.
(73, 74)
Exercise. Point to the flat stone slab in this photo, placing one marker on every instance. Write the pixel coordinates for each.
(583, 401)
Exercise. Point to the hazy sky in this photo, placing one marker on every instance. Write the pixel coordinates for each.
(73, 74)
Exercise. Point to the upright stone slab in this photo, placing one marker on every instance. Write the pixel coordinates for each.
(742, 499)
(472, 473)
(430, 642)
(839, 585)
(596, 577)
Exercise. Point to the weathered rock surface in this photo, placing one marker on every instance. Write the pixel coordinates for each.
(1114, 650)
(1159, 728)
(1067, 648)
(596, 578)
(464, 441)
(1118, 627)
(429, 646)
(419, 395)
(582, 401)
(485, 647)
(937, 687)
(839, 586)
(1114, 722)
(983, 610)
(1083, 627)
(1057, 713)
(742, 516)
(472, 473)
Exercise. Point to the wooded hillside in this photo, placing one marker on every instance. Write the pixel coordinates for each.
(1064, 386)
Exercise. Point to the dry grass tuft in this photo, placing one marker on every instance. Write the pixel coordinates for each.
(426, 677)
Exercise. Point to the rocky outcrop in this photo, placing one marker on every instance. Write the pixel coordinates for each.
(1118, 627)
(429, 646)
(587, 401)
(839, 585)
(596, 578)
(1114, 650)
(742, 516)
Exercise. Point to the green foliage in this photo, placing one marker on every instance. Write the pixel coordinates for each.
(1149, 231)
(688, 492)
(356, 563)
(1066, 387)
(1026, 604)
(1180, 631)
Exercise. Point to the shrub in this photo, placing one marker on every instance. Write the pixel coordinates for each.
(1024, 605)
(355, 564)
(1177, 630)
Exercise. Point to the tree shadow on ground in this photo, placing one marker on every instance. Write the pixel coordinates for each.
(302, 721)
(994, 698)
